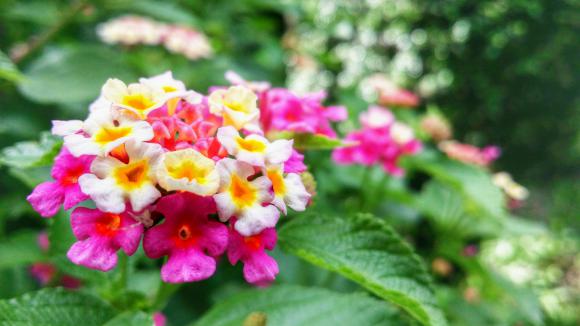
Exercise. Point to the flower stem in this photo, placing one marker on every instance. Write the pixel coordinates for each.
(38, 41)
(123, 271)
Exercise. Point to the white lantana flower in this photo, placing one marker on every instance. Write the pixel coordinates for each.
(188, 170)
(238, 107)
(138, 98)
(254, 149)
(111, 182)
(101, 133)
(401, 133)
(288, 190)
(242, 198)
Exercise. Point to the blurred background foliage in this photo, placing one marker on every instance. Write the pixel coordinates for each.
(504, 72)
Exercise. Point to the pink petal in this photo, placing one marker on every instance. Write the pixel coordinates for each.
(157, 240)
(260, 269)
(95, 253)
(129, 235)
(215, 238)
(73, 196)
(46, 198)
(295, 163)
(188, 265)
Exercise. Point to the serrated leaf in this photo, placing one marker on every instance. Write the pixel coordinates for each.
(30, 154)
(131, 318)
(8, 69)
(305, 141)
(297, 305)
(367, 251)
(19, 249)
(55, 306)
(72, 75)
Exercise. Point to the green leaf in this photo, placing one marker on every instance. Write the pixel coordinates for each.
(20, 249)
(30, 154)
(305, 141)
(446, 207)
(72, 75)
(55, 307)
(166, 11)
(366, 250)
(472, 181)
(131, 318)
(8, 69)
(297, 305)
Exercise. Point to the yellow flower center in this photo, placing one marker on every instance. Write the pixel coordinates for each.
(242, 192)
(275, 176)
(106, 135)
(190, 170)
(139, 102)
(169, 89)
(236, 106)
(132, 175)
(251, 145)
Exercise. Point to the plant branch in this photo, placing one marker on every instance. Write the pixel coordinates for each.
(36, 42)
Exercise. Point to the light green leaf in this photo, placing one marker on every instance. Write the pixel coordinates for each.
(366, 250)
(55, 307)
(297, 305)
(31, 154)
(131, 318)
(8, 69)
(305, 141)
(19, 249)
(73, 75)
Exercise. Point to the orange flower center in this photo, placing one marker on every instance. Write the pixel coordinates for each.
(133, 175)
(275, 176)
(253, 242)
(109, 224)
(242, 192)
(138, 102)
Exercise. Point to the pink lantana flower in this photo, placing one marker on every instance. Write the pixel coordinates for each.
(470, 154)
(382, 140)
(48, 196)
(259, 268)
(187, 236)
(282, 110)
(100, 235)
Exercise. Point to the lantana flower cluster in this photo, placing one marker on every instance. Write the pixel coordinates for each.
(470, 154)
(192, 176)
(382, 140)
(135, 30)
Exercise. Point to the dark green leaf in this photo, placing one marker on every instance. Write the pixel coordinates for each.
(55, 307)
(366, 250)
(19, 249)
(296, 305)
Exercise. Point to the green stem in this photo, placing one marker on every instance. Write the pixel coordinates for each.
(363, 202)
(38, 41)
(123, 271)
